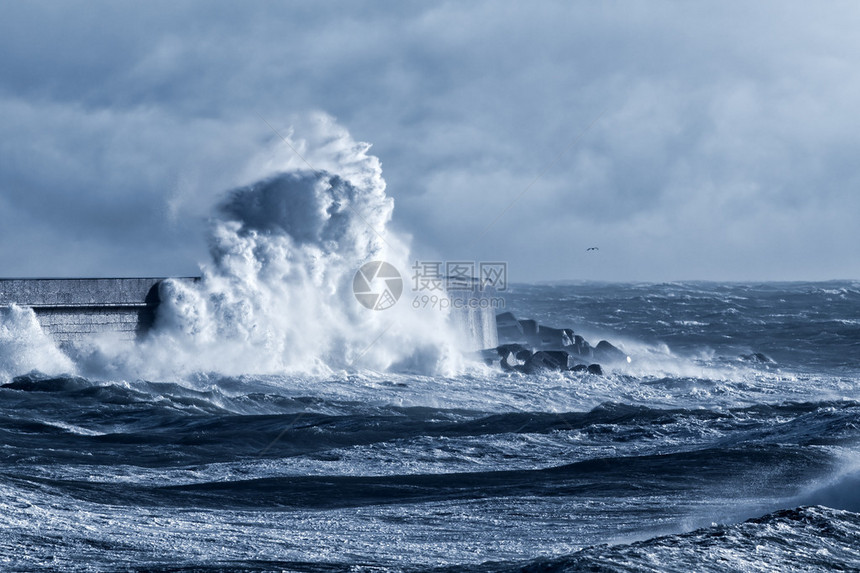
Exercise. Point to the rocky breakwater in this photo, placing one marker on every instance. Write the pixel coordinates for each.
(529, 347)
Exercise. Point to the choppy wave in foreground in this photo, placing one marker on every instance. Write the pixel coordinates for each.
(359, 474)
(807, 538)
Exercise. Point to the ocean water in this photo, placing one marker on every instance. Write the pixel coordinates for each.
(690, 457)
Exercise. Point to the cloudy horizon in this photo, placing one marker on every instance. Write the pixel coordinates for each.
(706, 141)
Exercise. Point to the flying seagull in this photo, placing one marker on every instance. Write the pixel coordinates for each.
(592, 249)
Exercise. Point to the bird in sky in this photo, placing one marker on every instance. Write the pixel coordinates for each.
(592, 249)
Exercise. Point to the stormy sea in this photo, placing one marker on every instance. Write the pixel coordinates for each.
(269, 422)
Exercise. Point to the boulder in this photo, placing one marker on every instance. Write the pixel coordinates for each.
(509, 363)
(512, 355)
(508, 327)
(595, 369)
(554, 337)
(606, 352)
(511, 348)
(547, 360)
(529, 327)
(581, 347)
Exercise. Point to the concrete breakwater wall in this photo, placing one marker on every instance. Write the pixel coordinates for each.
(71, 309)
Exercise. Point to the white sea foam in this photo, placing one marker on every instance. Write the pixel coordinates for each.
(277, 295)
(25, 347)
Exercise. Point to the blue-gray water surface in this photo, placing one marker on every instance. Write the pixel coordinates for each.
(731, 441)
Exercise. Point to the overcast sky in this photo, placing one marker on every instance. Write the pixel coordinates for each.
(686, 140)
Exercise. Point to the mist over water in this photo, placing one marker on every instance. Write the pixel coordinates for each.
(271, 422)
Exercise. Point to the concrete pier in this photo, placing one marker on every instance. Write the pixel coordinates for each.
(71, 309)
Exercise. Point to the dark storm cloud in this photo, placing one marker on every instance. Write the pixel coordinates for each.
(722, 147)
